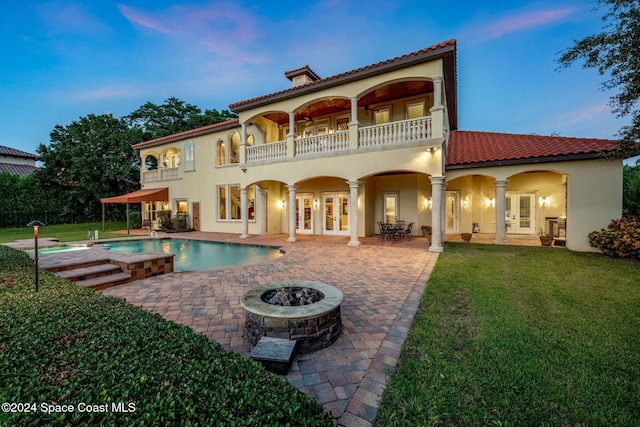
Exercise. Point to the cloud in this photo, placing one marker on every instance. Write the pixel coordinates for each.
(522, 21)
(584, 114)
(219, 28)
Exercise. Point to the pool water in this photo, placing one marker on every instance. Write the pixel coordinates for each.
(57, 249)
(193, 255)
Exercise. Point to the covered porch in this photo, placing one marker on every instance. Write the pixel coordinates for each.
(151, 195)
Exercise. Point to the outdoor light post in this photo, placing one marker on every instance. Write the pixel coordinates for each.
(35, 224)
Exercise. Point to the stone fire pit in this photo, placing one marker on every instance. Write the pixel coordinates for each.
(314, 325)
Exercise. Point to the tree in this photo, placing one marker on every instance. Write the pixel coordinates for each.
(614, 53)
(631, 189)
(89, 159)
(174, 116)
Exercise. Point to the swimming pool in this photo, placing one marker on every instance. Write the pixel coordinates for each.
(192, 255)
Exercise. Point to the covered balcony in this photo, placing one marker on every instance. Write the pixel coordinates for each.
(392, 116)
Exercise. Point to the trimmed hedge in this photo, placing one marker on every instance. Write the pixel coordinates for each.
(621, 238)
(67, 345)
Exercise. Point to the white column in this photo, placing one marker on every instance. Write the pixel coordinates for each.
(291, 148)
(243, 143)
(292, 213)
(353, 213)
(354, 112)
(501, 206)
(436, 213)
(437, 92)
(244, 213)
(292, 123)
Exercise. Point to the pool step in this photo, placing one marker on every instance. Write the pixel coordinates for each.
(94, 275)
(103, 282)
(83, 272)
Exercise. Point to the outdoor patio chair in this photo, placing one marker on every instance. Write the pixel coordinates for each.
(406, 231)
(386, 230)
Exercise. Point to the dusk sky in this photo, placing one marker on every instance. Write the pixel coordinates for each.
(65, 60)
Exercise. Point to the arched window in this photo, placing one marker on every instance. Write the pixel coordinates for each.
(151, 162)
(234, 155)
(190, 161)
(221, 153)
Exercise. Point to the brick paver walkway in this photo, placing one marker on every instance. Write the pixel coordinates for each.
(382, 285)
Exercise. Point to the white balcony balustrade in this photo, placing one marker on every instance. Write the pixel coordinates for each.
(270, 151)
(392, 135)
(326, 143)
(395, 133)
(162, 174)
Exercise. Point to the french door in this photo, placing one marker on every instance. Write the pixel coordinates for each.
(304, 214)
(336, 213)
(452, 218)
(520, 213)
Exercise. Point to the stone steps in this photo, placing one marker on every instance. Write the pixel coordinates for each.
(103, 282)
(97, 275)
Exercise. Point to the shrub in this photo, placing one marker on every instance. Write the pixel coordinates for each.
(135, 219)
(164, 221)
(620, 239)
(68, 345)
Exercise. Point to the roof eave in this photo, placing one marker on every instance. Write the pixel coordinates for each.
(528, 160)
(340, 79)
(185, 135)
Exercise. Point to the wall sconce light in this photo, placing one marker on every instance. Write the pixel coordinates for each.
(428, 203)
(544, 202)
(316, 203)
(491, 202)
(282, 204)
(464, 203)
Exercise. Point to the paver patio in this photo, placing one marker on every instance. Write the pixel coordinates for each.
(382, 285)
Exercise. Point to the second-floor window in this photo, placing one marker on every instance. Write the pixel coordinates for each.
(382, 115)
(189, 163)
(415, 110)
(234, 152)
(221, 154)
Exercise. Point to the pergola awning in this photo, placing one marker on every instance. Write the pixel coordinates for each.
(144, 195)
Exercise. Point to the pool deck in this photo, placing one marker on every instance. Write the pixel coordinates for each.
(382, 283)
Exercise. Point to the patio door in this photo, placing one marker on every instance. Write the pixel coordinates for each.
(520, 213)
(195, 213)
(452, 219)
(390, 214)
(304, 214)
(336, 213)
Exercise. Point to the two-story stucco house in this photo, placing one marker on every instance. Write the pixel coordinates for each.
(338, 155)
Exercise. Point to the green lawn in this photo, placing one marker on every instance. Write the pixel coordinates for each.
(65, 232)
(517, 336)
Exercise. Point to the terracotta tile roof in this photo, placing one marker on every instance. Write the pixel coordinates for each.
(469, 149)
(422, 55)
(20, 170)
(189, 133)
(12, 152)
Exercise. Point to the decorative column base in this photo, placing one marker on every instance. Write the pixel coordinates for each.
(356, 243)
(292, 239)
